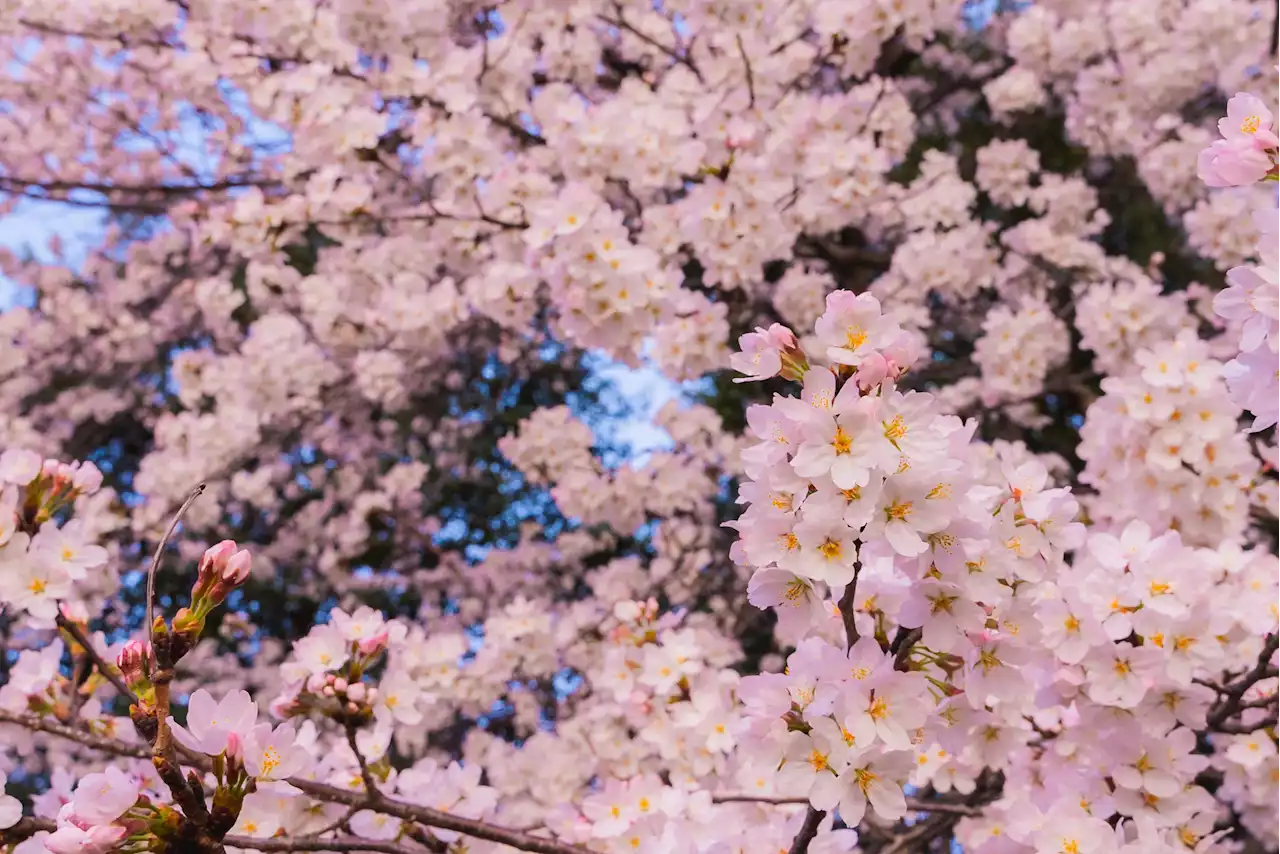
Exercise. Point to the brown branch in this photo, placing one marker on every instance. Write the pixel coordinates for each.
(340, 843)
(622, 24)
(913, 804)
(109, 671)
(1233, 693)
(25, 829)
(751, 81)
(62, 186)
(847, 615)
(370, 784)
(389, 806)
(438, 818)
(88, 739)
(808, 830)
(902, 645)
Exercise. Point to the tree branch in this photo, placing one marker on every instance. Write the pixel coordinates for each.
(108, 671)
(808, 830)
(650, 40)
(321, 791)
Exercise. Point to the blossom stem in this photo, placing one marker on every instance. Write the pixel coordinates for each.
(109, 672)
(155, 562)
(324, 792)
(808, 830)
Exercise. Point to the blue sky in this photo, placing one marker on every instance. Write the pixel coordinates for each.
(28, 230)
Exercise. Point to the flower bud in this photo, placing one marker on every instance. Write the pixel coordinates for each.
(134, 660)
(237, 568)
(315, 682)
(214, 560)
(357, 691)
(235, 748)
(222, 569)
(374, 645)
(782, 337)
(340, 685)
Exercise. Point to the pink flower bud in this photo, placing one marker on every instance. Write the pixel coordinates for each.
(375, 644)
(235, 748)
(371, 695)
(782, 337)
(103, 838)
(237, 568)
(357, 691)
(215, 557)
(132, 661)
(328, 691)
(315, 682)
(340, 685)
(352, 708)
(873, 370)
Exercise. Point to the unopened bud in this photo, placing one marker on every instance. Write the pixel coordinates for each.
(222, 569)
(214, 560)
(340, 685)
(374, 645)
(315, 682)
(235, 748)
(328, 691)
(237, 568)
(133, 661)
(782, 337)
(357, 691)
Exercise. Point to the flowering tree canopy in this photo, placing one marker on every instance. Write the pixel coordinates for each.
(314, 535)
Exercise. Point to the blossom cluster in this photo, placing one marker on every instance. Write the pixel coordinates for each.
(986, 630)
(1000, 574)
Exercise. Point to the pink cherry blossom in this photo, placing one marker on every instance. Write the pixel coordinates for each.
(210, 723)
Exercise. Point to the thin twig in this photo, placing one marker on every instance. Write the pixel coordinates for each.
(88, 739)
(155, 561)
(847, 614)
(324, 792)
(370, 784)
(913, 804)
(901, 648)
(107, 670)
(808, 830)
(340, 843)
(751, 81)
(622, 24)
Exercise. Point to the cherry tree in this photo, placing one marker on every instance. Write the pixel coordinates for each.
(316, 532)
